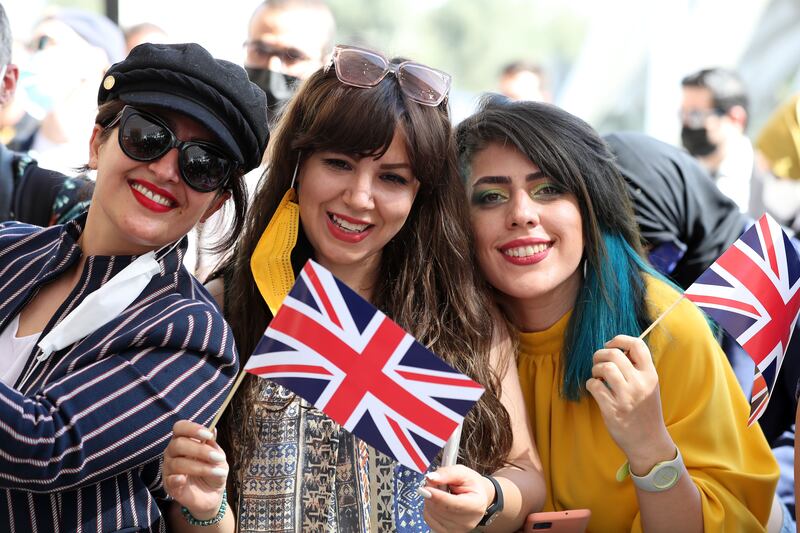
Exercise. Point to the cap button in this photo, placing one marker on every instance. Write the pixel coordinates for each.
(108, 83)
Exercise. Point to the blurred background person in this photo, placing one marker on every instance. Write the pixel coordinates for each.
(293, 37)
(29, 193)
(713, 122)
(524, 80)
(778, 146)
(70, 51)
(287, 41)
(145, 32)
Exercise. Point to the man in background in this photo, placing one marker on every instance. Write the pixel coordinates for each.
(287, 41)
(293, 37)
(714, 119)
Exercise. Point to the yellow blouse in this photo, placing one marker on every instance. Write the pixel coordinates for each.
(704, 410)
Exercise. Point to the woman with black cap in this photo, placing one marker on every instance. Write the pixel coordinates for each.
(105, 338)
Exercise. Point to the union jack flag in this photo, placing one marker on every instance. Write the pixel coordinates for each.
(339, 353)
(753, 291)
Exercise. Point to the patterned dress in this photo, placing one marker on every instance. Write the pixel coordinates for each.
(311, 475)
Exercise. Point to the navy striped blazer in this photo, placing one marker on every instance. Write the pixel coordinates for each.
(82, 431)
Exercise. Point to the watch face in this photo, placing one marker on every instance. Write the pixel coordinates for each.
(665, 477)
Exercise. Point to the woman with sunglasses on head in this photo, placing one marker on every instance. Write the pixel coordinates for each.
(650, 435)
(106, 339)
(367, 144)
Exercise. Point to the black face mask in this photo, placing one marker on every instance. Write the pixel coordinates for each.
(278, 87)
(695, 140)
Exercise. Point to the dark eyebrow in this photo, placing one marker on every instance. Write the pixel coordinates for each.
(492, 180)
(505, 180)
(393, 166)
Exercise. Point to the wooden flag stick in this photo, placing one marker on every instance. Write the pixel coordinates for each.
(657, 320)
(227, 399)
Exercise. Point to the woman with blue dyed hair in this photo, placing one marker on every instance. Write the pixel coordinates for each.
(650, 435)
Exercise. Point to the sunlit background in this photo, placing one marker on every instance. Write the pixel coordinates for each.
(616, 63)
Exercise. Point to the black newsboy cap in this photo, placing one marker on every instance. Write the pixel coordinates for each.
(187, 79)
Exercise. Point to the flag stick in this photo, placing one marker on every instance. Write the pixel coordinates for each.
(657, 320)
(227, 399)
(450, 451)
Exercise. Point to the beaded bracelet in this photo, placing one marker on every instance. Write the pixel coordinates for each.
(211, 521)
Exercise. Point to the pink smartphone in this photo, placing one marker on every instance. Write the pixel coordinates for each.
(572, 521)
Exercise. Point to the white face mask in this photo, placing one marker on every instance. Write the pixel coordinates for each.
(782, 197)
(102, 306)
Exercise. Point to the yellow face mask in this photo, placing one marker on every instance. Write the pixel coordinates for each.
(271, 262)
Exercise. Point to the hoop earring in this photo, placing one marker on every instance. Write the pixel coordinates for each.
(585, 261)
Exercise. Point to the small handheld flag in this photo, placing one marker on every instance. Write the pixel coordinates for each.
(338, 352)
(753, 291)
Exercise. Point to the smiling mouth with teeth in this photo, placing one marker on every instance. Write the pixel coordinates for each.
(349, 227)
(157, 198)
(526, 251)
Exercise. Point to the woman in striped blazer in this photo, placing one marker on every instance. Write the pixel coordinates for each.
(105, 339)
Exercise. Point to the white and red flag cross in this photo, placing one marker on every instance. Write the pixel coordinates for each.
(341, 354)
(753, 291)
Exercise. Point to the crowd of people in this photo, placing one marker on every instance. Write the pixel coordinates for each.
(519, 245)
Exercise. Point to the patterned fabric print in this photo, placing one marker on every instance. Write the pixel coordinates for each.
(322, 445)
(308, 475)
(381, 484)
(269, 485)
(409, 504)
(351, 505)
(362, 452)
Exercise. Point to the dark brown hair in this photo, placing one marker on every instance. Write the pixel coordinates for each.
(111, 109)
(611, 300)
(428, 280)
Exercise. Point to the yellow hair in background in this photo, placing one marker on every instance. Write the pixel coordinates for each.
(779, 140)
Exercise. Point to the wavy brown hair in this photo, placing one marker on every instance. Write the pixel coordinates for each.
(427, 282)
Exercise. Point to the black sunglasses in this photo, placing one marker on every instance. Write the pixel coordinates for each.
(145, 137)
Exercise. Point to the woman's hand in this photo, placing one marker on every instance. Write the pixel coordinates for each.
(195, 469)
(626, 390)
(463, 506)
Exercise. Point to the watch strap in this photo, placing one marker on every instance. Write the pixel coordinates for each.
(496, 506)
(663, 476)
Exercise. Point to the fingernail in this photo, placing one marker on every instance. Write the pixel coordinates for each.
(204, 434)
(424, 493)
(433, 476)
(216, 456)
(219, 471)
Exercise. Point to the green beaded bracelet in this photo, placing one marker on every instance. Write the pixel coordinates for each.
(211, 521)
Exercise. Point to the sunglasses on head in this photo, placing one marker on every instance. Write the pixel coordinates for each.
(144, 136)
(364, 68)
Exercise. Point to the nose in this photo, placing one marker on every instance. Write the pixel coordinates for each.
(522, 212)
(275, 64)
(358, 194)
(166, 166)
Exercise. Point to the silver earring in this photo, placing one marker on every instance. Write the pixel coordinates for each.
(585, 261)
